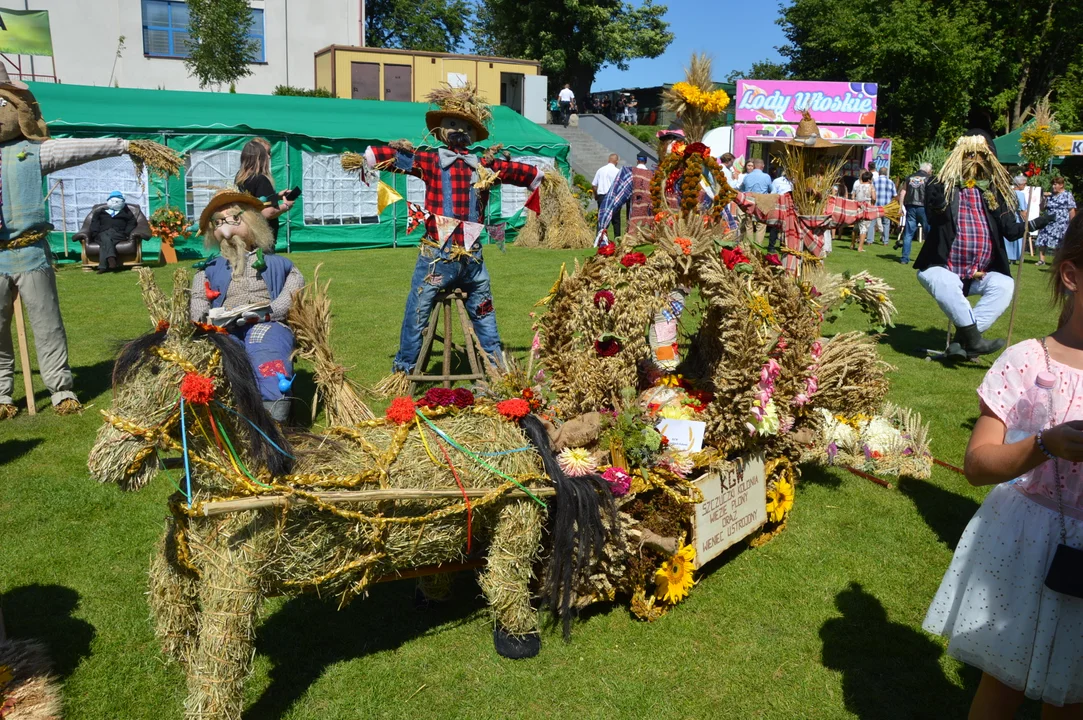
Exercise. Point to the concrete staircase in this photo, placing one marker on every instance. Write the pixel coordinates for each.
(586, 154)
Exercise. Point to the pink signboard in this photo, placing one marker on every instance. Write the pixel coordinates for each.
(781, 101)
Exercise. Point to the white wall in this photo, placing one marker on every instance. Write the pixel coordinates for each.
(85, 36)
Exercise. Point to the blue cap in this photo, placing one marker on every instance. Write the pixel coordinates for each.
(116, 193)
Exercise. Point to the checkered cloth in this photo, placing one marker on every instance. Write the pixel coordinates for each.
(883, 190)
(972, 250)
(805, 233)
(426, 165)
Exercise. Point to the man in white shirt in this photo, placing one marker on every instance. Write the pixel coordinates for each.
(565, 96)
(603, 181)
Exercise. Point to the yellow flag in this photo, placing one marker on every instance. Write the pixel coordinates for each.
(385, 195)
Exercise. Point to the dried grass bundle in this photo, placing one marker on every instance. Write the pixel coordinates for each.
(161, 160)
(561, 224)
(30, 690)
(813, 173)
(852, 376)
(869, 291)
(352, 162)
(310, 319)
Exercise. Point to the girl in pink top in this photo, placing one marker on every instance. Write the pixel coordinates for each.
(993, 604)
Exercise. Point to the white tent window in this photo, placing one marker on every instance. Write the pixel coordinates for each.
(205, 173)
(333, 196)
(513, 198)
(415, 190)
(84, 186)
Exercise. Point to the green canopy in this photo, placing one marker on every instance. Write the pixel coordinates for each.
(305, 134)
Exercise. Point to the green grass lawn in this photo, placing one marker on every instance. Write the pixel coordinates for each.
(822, 622)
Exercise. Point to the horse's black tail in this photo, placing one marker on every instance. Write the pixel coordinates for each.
(576, 523)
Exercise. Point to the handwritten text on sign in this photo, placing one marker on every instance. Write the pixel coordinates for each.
(734, 505)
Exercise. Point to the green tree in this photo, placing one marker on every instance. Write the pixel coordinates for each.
(434, 25)
(941, 65)
(762, 70)
(573, 39)
(219, 47)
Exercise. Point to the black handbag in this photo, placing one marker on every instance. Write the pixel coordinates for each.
(1065, 574)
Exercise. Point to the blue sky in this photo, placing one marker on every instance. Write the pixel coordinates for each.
(735, 33)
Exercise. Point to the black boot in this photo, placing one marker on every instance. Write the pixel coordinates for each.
(971, 341)
(516, 647)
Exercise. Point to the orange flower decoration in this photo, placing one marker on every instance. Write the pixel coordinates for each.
(401, 410)
(513, 409)
(684, 244)
(197, 389)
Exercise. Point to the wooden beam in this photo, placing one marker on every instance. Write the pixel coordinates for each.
(336, 497)
(24, 354)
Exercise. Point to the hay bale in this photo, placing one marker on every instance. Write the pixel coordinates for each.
(561, 224)
(28, 688)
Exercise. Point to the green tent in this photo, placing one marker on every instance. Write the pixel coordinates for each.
(306, 135)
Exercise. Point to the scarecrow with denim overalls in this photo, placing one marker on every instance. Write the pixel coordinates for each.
(457, 187)
(27, 155)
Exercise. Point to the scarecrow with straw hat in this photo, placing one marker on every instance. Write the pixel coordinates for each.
(247, 291)
(813, 165)
(457, 187)
(971, 208)
(27, 154)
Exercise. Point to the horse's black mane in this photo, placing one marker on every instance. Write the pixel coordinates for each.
(241, 380)
(577, 526)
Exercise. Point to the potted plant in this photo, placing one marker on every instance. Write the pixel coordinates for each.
(169, 223)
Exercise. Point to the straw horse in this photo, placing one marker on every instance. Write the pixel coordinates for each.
(260, 513)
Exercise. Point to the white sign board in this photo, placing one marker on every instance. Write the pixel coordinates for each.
(683, 435)
(734, 506)
(1077, 147)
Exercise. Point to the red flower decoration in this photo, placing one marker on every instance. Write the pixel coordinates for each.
(513, 409)
(773, 259)
(437, 397)
(632, 259)
(660, 216)
(734, 257)
(462, 398)
(697, 148)
(607, 348)
(607, 250)
(197, 389)
(162, 325)
(212, 295)
(401, 410)
(604, 299)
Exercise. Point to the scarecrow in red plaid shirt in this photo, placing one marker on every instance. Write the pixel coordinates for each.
(457, 187)
(972, 212)
(813, 166)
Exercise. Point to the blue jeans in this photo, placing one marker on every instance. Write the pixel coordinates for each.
(269, 346)
(434, 273)
(914, 215)
(884, 226)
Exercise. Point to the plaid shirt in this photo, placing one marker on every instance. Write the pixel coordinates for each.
(425, 164)
(883, 190)
(972, 250)
(806, 233)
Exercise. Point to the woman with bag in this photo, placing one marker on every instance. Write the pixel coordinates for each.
(1011, 603)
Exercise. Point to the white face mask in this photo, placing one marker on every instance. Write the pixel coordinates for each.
(115, 203)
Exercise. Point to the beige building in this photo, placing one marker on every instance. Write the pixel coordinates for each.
(86, 42)
(408, 75)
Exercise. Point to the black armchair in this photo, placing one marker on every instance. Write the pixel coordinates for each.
(129, 252)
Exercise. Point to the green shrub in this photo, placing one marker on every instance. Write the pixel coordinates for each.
(301, 92)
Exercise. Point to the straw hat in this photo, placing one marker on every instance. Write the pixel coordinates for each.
(808, 134)
(461, 103)
(7, 83)
(225, 198)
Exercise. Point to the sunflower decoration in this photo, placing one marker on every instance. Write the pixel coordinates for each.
(674, 580)
(780, 500)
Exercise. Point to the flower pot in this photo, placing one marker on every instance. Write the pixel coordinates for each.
(168, 254)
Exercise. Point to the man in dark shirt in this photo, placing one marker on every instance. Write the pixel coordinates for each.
(912, 198)
(112, 224)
